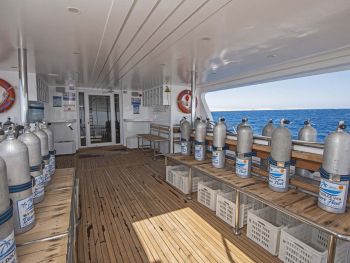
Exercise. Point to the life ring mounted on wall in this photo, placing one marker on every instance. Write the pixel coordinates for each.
(184, 101)
(7, 95)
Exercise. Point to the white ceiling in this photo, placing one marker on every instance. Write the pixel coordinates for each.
(145, 42)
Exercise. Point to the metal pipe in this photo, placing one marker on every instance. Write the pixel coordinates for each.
(193, 97)
(190, 175)
(332, 246)
(23, 84)
(237, 213)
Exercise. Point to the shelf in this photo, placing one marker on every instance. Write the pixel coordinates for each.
(295, 203)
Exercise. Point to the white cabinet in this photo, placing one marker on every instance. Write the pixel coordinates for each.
(156, 96)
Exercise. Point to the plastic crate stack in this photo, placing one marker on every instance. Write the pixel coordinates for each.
(207, 193)
(226, 208)
(178, 175)
(306, 244)
(265, 226)
(291, 240)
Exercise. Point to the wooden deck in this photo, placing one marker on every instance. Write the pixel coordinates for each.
(128, 214)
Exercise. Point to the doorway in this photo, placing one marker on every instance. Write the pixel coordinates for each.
(99, 118)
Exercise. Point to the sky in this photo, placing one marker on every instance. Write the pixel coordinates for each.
(325, 91)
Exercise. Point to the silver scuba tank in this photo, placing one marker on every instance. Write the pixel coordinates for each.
(219, 134)
(7, 124)
(244, 150)
(44, 143)
(15, 154)
(35, 161)
(185, 128)
(268, 129)
(335, 171)
(2, 133)
(279, 160)
(52, 161)
(200, 146)
(196, 122)
(244, 120)
(307, 134)
(7, 236)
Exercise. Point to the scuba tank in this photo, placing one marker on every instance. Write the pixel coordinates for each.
(185, 128)
(15, 154)
(244, 120)
(7, 236)
(307, 134)
(2, 133)
(279, 160)
(197, 121)
(244, 150)
(218, 154)
(267, 131)
(7, 124)
(335, 171)
(52, 161)
(35, 161)
(44, 143)
(200, 147)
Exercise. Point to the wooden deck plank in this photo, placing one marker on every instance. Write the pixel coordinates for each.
(147, 221)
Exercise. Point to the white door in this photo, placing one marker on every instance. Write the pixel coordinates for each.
(97, 119)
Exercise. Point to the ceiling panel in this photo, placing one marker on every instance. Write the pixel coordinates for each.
(144, 42)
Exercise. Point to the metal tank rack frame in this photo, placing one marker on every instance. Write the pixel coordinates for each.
(301, 151)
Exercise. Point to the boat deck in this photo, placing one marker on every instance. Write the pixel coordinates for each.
(128, 214)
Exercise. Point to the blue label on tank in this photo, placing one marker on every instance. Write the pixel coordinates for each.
(278, 177)
(39, 188)
(198, 152)
(184, 148)
(333, 194)
(242, 167)
(26, 211)
(8, 249)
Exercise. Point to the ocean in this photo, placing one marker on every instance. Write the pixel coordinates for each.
(324, 120)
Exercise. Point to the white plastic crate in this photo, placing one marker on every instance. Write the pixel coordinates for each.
(173, 171)
(181, 183)
(265, 225)
(226, 208)
(305, 244)
(207, 192)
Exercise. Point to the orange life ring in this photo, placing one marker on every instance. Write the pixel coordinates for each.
(8, 97)
(184, 100)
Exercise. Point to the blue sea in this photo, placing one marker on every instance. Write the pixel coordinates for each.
(324, 120)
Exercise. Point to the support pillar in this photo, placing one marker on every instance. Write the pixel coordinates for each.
(193, 97)
(23, 84)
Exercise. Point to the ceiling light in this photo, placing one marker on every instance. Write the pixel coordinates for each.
(53, 74)
(73, 10)
(206, 38)
(76, 53)
(271, 56)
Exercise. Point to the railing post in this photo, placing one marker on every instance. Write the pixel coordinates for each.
(189, 196)
(332, 246)
(237, 213)
(23, 84)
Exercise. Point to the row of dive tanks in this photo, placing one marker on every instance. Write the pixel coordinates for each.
(334, 172)
(26, 166)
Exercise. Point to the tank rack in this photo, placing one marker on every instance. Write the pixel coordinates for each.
(53, 236)
(295, 203)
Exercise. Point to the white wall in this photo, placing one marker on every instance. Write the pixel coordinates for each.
(12, 77)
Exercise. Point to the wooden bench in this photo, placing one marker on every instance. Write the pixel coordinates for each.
(158, 134)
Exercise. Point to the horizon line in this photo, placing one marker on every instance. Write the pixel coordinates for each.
(270, 109)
